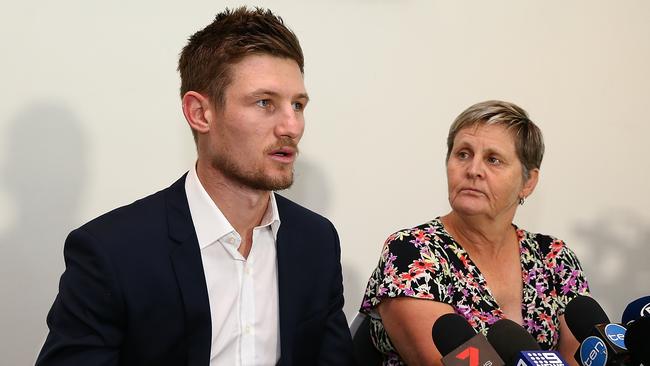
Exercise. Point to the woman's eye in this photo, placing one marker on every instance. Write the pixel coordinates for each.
(263, 103)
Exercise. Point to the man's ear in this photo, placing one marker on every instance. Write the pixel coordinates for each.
(198, 112)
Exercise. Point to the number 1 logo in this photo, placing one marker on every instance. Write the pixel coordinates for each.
(471, 353)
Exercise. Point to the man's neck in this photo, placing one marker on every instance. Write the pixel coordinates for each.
(242, 206)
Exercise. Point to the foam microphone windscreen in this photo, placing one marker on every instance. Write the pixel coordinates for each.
(636, 340)
(582, 314)
(450, 331)
(636, 309)
(509, 338)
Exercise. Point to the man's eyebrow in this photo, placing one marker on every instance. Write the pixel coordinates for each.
(261, 92)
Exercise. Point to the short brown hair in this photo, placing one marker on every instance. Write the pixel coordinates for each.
(529, 142)
(204, 63)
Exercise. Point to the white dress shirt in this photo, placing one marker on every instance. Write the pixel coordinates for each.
(243, 292)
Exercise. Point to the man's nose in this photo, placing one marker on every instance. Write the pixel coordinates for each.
(290, 124)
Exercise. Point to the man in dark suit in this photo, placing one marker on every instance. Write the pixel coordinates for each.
(216, 269)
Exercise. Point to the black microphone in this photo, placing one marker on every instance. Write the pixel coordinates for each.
(518, 348)
(636, 309)
(459, 344)
(636, 340)
(601, 342)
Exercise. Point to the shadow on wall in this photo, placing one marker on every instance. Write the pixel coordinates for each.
(617, 253)
(43, 175)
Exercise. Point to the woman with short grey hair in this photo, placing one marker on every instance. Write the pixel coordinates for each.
(474, 261)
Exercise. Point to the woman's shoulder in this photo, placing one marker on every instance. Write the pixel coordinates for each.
(430, 233)
(428, 241)
(548, 246)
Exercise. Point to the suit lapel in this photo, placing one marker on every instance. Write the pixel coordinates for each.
(287, 287)
(186, 259)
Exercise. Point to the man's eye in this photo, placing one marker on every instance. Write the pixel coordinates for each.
(494, 161)
(263, 103)
(463, 155)
(297, 106)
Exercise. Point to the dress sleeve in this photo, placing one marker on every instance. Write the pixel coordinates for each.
(412, 264)
(568, 277)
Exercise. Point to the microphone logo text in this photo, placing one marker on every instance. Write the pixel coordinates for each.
(645, 311)
(544, 358)
(616, 334)
(471, 353)
(593, 352)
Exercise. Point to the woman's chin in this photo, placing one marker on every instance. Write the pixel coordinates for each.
(469, 210)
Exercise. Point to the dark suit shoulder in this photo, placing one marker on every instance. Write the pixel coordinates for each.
(142, 217)
(294, 211)
(131, 215)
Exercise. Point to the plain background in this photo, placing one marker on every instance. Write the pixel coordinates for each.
(90, 119)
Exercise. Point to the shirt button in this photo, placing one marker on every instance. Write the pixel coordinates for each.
(247, 329)
(248, 270)
(230, 240)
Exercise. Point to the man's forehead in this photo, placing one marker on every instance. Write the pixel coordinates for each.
(265, 62)
(267, 74)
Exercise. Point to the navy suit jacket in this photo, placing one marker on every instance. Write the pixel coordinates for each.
(134, 291)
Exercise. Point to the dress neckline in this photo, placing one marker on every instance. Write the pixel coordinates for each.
(471, 268)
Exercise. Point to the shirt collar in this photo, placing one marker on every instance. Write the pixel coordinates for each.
(272, 216)
(210, 223)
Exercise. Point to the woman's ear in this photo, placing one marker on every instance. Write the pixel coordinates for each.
(531, 183)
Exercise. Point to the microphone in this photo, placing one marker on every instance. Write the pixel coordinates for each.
(518, 348)
(460, 345)
(636, 340)
(636, 309)
(601, 342)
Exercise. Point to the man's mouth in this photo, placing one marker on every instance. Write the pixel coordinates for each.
(284, 154)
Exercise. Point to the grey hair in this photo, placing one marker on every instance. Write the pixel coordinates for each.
(529, 142)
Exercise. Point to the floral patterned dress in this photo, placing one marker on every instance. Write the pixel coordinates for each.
(425, 262)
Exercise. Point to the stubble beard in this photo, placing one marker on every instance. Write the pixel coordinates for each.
(254, 179)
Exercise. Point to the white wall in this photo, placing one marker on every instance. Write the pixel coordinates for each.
(90, 119)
